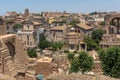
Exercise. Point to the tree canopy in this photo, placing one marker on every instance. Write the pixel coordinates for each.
(97, 35)
(93, 13)
(70, 56)
(74, 65)
(91, 44)
(56, 45)
(111, 61)
(17, 26)
(43, 43)
(32, 53)
(85, 61)
(81, 63)
(94, 40)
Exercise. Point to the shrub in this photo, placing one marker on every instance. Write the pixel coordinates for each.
(32, 53)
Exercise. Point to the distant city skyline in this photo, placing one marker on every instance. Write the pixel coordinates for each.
(81, 6)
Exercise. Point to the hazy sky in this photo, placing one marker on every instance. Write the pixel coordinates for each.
(59, 5)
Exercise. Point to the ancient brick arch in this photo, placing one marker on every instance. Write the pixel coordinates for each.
(109, 18)
(113, 23)
(9, 43)
(12, 54)
(11, 49)
(113, 31)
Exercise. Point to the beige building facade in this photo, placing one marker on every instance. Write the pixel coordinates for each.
(71, 35)
(58, 33)
(27, 34)
(75, 35)
(73, 39)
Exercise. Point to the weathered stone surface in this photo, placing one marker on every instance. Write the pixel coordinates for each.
(13, 56)
(112, 36)
(6, 77)
(44, 66)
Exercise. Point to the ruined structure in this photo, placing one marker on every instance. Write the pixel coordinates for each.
(112, 36)
(44, 66)
(13, 57)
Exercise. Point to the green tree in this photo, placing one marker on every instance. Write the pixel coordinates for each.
(111, 61)
(74, 65)
(56, 45)
(97, 35)
(32, 53)
(81, 63)
(70, 56)
(116, 70)
(93, 41)
(60, 45)
(91, 44)
(43, 43)
(85, 61)
(17, 26)
(93, 13)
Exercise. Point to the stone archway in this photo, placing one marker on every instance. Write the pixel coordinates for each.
(11, 49)
(113, 23)
(13, 56)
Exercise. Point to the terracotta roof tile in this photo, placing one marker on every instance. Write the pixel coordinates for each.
(85, 26)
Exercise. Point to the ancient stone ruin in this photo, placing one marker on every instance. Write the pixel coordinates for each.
(13, 57)
(112, 36)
